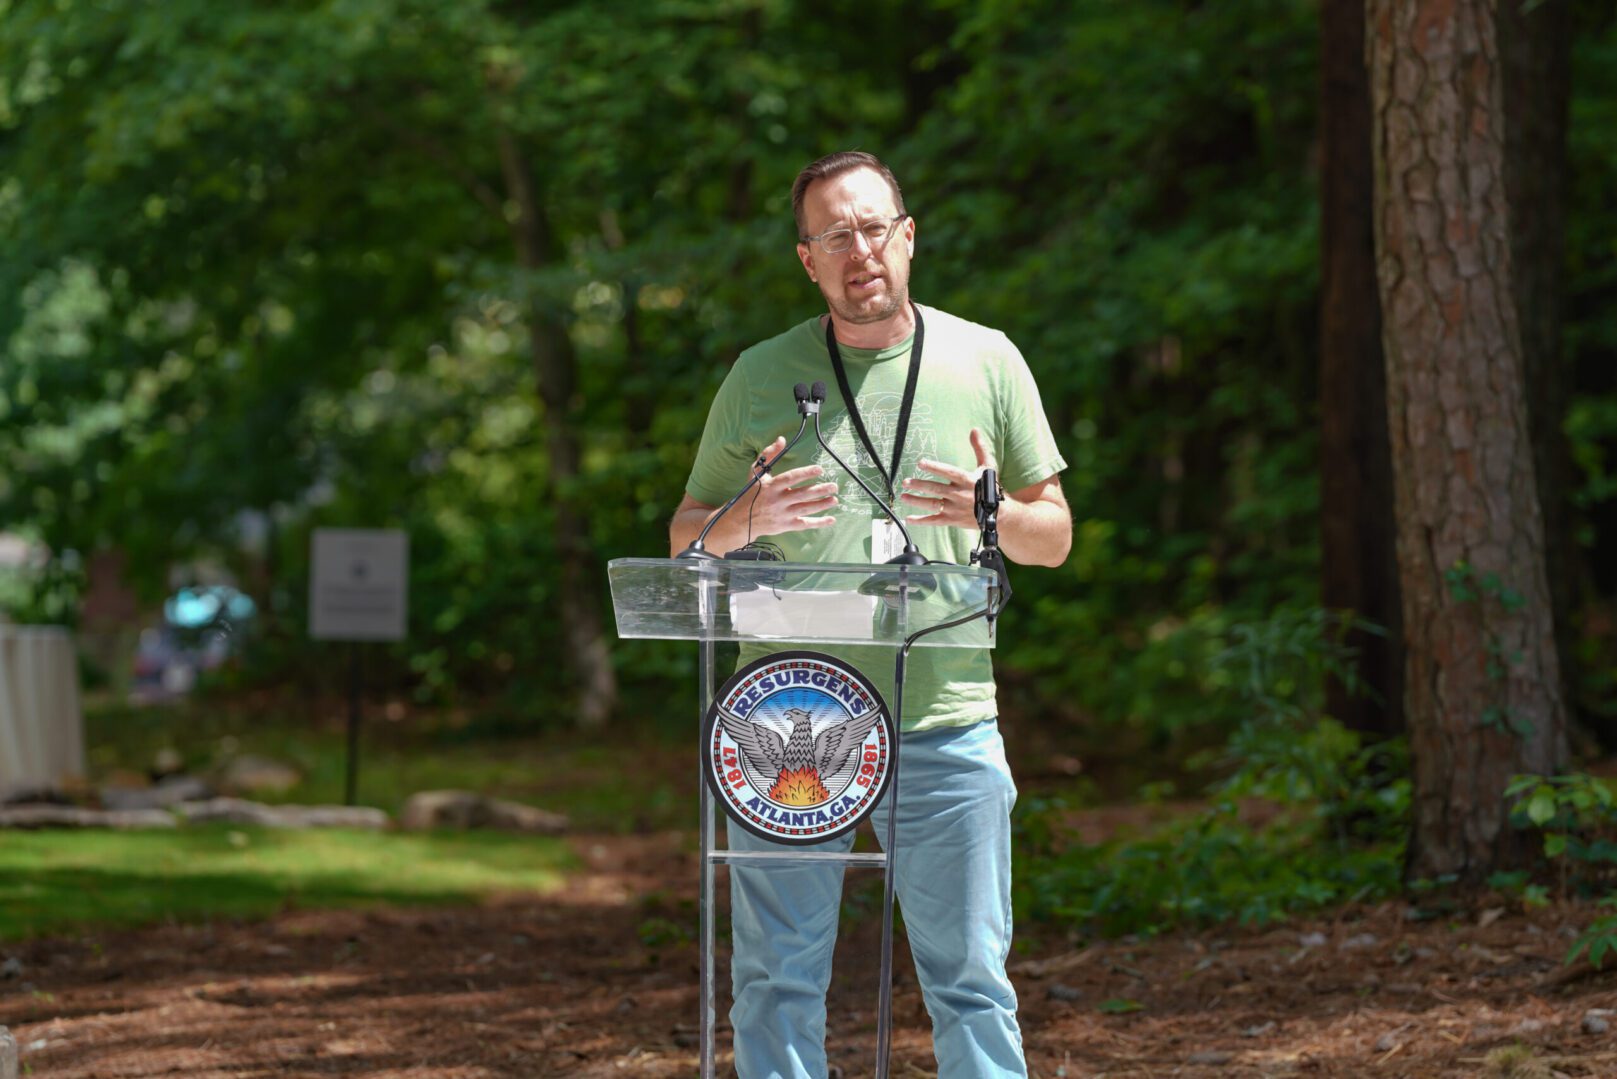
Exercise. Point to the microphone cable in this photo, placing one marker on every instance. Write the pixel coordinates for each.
(911, 555)
(804, 409)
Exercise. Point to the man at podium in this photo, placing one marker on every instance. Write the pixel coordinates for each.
(922, 402)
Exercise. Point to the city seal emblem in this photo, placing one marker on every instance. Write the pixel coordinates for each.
(798, 747)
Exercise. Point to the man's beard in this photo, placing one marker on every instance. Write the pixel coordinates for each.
(856, 314)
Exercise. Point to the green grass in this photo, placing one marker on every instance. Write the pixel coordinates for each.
(626, 779)
(58, 882)
(621, 780)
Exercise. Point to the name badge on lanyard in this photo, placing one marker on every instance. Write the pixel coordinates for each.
(886, 541)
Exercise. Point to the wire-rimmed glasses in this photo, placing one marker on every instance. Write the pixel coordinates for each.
(876, 233)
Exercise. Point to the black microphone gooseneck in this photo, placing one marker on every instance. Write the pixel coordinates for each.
(910, 556)
(805, 409)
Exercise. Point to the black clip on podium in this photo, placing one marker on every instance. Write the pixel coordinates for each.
(788, 604)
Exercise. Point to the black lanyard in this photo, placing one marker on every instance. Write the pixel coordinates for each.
(890, 477)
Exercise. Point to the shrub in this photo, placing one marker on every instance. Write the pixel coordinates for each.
(1305, 815)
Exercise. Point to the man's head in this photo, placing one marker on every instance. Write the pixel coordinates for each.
(851, 198)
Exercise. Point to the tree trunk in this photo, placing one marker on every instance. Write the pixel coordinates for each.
(1535, 52)
(555, 368)
(1483, 693)
(1359, 569)
(639, 404)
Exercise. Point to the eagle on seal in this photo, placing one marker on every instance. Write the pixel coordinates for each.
(800, 760)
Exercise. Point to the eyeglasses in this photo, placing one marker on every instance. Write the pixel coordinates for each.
(876, 233)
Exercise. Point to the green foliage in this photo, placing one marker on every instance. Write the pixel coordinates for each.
(1599, 938)
(1590, 338)
(278, 279)
(1491, 598)
(1286, 751)
(261, 277)
(658, 932)
(1519, 884)
(1156, 192)
(1576, 813)
(1577, 816)
(1306, 815)
(1212, 868)
(1466, 585)
(41, 594)
(1119, 1006)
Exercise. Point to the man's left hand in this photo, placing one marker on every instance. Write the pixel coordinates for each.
(952, 498)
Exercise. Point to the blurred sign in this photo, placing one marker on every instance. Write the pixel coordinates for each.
(358, 584)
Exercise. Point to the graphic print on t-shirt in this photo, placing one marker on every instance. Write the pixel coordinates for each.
(880, 414)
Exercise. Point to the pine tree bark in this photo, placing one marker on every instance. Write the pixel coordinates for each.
(556, 369)
(1359, 570)
(1483, 695)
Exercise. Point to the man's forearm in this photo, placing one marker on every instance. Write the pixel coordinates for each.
(727, 535)
(1035, 533)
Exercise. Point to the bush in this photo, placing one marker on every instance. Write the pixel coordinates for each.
(1577, 817)
(1306, 814)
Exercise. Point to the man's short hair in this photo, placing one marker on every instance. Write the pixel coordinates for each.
(835, 165)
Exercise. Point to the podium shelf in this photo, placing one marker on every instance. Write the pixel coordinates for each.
(792, 602)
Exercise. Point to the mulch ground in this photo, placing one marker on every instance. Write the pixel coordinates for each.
(599, 979)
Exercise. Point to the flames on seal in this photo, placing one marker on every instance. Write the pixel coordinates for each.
(799, 787)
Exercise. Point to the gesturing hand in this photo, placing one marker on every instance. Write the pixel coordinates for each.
(778, 505)
(952, 499)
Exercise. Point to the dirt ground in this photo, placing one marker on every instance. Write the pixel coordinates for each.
(599, 979)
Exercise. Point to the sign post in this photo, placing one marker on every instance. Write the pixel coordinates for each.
(358, 591)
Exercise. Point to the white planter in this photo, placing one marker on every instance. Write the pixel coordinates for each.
(41, 722)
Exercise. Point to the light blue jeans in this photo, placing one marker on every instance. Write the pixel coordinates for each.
(954, 885)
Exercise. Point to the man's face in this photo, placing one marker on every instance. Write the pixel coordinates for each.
(862, 284)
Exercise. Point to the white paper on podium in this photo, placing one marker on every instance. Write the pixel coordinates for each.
(796, 614)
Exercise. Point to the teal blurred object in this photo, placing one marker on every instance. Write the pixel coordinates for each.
(202, 627)
(197, 608)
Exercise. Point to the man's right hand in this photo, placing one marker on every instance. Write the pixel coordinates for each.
(778, 505)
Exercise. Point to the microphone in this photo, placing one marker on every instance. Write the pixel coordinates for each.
(910, 556)
(989, 498)
(799, 391)
(808, 401)
(987, 501)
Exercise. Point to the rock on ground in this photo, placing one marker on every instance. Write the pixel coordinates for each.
(249, 774)
(466, 809)
(238, 811)
(8, 1055)
(60, 816)
(170, 791)
(12, 794)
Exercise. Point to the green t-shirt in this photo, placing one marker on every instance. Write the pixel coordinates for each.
(971, 376)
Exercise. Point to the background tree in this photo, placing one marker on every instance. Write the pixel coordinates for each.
(1535, 53)
(1358, 564)
(1484, 696)
(1589, 340)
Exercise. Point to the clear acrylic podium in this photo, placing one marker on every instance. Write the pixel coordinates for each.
(795, 604)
